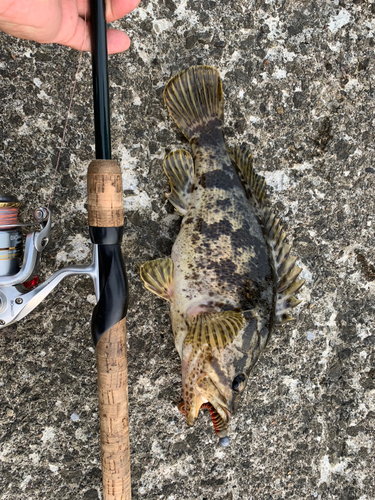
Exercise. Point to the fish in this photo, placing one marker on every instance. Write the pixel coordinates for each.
(230, 278)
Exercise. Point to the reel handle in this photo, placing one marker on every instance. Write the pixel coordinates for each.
(105, 210)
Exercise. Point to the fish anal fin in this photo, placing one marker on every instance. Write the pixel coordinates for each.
(217, 329)
(179, 168)
(157, 276)
(194, 99)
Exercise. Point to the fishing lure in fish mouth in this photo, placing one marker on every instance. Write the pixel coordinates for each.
(230, 277)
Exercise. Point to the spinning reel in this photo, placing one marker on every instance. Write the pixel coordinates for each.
(20, 291)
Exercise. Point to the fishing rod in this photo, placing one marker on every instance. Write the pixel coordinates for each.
(106, 222)
(21, 292)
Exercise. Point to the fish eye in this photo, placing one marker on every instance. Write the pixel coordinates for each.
(238, 384)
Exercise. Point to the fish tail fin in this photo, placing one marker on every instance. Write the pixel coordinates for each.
(194, 99)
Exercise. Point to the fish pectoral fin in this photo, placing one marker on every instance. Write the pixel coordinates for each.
(194, 99)
(179, 168)
(287, 271)
(157, 276)
(216, 329)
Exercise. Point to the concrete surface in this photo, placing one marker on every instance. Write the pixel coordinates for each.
(299, 88)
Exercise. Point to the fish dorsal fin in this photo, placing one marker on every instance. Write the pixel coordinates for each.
(253, 183)
(194, 99)
(287, 271)
(157, 276)
(216, 329)
(179, 168)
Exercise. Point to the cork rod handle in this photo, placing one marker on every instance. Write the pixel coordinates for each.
(113, 412)
(104, 189)
(105, 209)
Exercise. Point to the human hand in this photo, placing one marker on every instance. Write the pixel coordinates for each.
(62, 21)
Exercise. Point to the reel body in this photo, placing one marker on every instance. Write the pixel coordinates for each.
(19, 289)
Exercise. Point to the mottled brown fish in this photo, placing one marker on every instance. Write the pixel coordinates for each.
(230, 277)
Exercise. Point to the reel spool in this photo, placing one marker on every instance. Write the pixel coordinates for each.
(11, 244)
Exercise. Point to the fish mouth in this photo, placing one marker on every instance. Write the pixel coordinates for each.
(207, 396)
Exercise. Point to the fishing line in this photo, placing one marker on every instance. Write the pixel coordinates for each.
(68, 114)
(8, 214)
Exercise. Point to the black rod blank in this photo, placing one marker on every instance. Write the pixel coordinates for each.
(100, 80)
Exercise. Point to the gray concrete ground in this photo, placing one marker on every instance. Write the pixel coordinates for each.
(299, 89)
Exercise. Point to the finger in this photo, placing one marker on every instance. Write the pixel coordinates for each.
(117, 41)
(116, 9)
(79, 40)
(83, 7)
